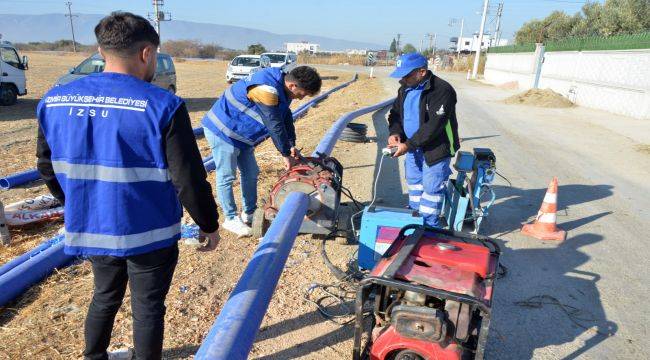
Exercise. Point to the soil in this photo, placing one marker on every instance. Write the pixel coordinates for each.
(540, 97)
(47, 321)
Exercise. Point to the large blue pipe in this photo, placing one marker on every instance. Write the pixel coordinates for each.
(14, 180)
(329, 140)
(20, 278)
(233, 333)
(28, 255)
(299, 112)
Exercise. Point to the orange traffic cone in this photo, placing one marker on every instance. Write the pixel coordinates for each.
(544, 226)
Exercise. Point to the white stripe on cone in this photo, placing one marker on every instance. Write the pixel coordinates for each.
(550, 198)
(547, 218)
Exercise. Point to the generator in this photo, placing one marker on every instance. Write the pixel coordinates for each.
(431, 297)
(321, 179)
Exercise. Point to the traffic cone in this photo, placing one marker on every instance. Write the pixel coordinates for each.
(544, 227)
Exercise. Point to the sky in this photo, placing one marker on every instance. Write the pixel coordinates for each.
(374, 21)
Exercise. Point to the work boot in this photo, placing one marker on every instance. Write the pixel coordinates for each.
(237, 226)
(247, 218)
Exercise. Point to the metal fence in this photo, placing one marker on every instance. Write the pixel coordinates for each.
(590, 43)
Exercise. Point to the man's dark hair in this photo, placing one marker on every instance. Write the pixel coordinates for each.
(306, 78)
(124, 34)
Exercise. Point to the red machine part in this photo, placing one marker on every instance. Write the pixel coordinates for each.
(306, 177)
(389, 343)
(444, 264)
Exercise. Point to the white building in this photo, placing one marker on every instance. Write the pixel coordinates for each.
(470, 44)
(302, 46)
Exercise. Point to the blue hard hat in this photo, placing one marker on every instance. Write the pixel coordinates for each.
(407, 63)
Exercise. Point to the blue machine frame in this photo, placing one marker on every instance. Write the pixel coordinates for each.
(462, 202)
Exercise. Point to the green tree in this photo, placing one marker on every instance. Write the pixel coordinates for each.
(393, 46)
(256, 49)
(408, 48)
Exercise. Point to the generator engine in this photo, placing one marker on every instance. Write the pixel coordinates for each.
(318, 177)
(431, 297)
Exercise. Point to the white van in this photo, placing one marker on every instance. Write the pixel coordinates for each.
(12, 74)
(286, 61)
(242, 66)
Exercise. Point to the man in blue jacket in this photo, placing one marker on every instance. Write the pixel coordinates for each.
(422, 124)
(120, 153)
(247, 113)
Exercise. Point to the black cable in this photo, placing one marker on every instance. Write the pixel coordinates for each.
(348, 194)
(355, 132)
(503, 177)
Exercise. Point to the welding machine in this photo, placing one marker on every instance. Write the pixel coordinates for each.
(321, 179)
(431, 297)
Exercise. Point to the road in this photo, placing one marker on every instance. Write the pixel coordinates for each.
(599, 275)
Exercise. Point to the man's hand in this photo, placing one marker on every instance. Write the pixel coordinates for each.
(211, 241)
(295, 153)
(289, 162)
(394, 139)
(402, 149)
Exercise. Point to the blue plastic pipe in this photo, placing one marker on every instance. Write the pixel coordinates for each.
(329, 140)
(17, 280)
(14, 180)
(28, 255)
(233, 333)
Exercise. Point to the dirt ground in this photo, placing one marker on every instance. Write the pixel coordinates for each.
(539, 97)
(47, 321)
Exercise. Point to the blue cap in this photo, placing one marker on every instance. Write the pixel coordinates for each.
(407, 63)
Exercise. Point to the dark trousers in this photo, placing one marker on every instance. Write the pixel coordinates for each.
(149, 277)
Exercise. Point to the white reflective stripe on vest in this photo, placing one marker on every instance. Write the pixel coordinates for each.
(241, 107)
(111, 174)
(226, 130)
(121, 241)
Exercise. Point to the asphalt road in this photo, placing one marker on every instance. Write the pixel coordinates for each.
(594, 284)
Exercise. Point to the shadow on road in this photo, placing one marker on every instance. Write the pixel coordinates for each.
(544, 300)
(389, 186)
(516, 206)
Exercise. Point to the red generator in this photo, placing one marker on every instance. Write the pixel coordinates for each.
(431, 297)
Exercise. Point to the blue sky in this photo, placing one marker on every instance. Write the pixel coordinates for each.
(375, 21)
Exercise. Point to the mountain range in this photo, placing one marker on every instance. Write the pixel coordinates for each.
(52, 27)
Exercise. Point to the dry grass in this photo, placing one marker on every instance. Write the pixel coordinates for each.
(47, 321)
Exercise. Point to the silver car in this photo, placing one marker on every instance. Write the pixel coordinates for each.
(165, 76)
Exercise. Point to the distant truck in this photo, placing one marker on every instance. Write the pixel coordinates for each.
(12, 74)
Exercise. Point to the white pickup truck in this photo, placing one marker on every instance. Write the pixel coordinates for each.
(12, 74)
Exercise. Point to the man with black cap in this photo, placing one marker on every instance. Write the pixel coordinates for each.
(423, 126)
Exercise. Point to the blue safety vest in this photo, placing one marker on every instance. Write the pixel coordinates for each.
(235, 118)
(105, 132)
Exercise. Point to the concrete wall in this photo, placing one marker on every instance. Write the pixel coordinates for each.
(615, 81)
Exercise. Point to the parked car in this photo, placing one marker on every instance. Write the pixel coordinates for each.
(242, 66)
(286, 61)
(165, 76)
(12, 74)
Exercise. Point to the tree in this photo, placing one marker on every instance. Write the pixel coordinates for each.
(408, 48)
(596, 19)
(393, 46)
(256, 49)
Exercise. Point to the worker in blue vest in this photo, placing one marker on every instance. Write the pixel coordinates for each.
(248, 112)
(423, 126)
(120, 154)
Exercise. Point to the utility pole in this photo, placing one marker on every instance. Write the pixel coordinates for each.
(74, 42)
(399, 51)
(497, 32)
(453, 22)
(480, 40)
(421, 41)
(159, 15)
